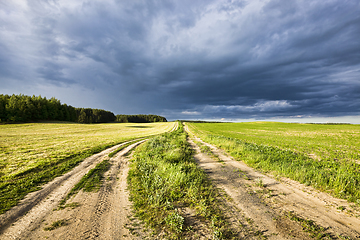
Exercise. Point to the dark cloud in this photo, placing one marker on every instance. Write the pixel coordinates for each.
(185, 59)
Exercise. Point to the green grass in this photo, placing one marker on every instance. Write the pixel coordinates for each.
(320, 142)
(323, 156)
(57, 224)
(164, 178)
(309, 226)
(35, 153)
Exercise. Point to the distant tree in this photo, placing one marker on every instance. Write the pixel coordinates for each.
(82, 116)
(21, 108)
(140, 118)
(3, 113)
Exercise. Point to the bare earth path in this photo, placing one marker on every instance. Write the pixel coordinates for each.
(267, 206)
(99, 215)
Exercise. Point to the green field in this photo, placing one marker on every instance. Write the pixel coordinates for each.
(324, 156)
(34, 153)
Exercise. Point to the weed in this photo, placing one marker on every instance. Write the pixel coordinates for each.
(341, 208)
(250, 221)
(310, 226)
(260, 183)
(57, 224)
(72, 205)
(175, 221)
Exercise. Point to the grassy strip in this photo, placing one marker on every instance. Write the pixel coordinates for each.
(89, 182)
(122, 147)
(342, 179)
(164, 178)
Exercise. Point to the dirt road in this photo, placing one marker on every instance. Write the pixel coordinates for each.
(101, 215)
(277, 209)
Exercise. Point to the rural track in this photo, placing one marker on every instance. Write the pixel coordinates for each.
(29, 218)
(262, 205)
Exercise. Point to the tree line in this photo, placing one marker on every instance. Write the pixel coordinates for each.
(140, 118)
(22, 108)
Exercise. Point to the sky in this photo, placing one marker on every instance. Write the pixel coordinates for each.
(296, 61)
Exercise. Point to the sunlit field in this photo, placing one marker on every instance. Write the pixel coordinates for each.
(326, 157)
(31, 154)
(320, 142)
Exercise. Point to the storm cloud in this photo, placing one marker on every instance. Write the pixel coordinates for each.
(259, 59)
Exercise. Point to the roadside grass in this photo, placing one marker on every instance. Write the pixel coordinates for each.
(340, 177)
(35, 153)
(164, 178)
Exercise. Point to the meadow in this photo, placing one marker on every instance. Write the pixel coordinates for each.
(34, 153)
(321, 155)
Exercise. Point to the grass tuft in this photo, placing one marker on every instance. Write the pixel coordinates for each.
(57, 224)
(310, 226)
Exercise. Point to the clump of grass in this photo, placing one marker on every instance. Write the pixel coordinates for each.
(259, 182)
(165, 178)
(72, 205)
(310, 226)
(175, 222)
(57, 224)
(205, 149)
(341, 208)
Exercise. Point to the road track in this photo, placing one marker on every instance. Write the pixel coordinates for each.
(21, 221)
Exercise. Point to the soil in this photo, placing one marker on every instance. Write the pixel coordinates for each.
(266, 205)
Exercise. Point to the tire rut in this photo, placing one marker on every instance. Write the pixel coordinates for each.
(108, 203)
